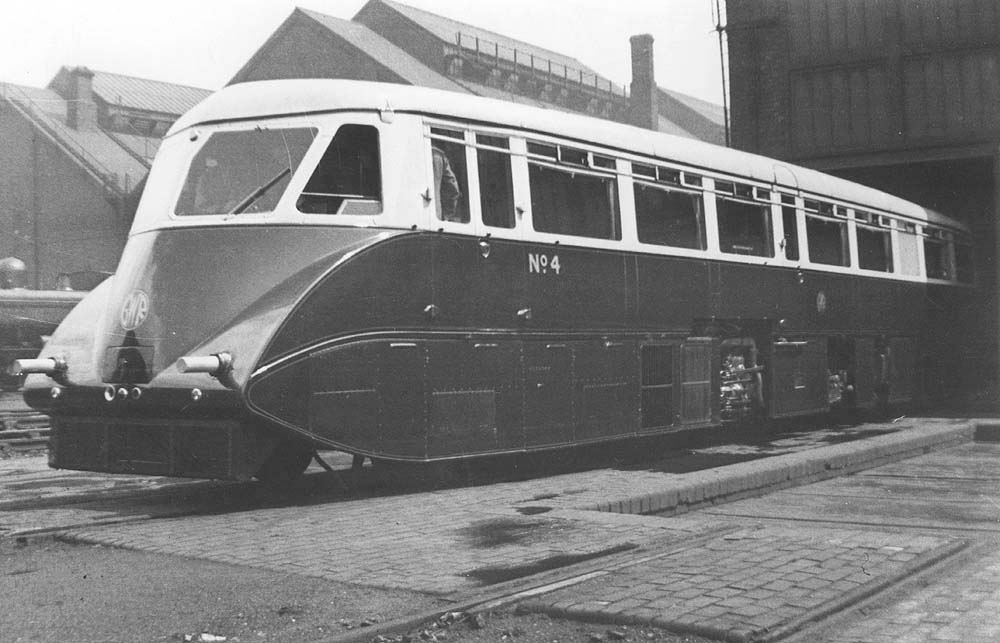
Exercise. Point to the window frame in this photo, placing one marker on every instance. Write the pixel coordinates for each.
(552, 162)
(738, 191)
(327, 141)
(829, 211)
(201, 137)
(867, 220)
(670, 187)
(429, 136)
(513, 158)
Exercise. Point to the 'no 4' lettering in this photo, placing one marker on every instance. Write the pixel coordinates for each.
(541, 263)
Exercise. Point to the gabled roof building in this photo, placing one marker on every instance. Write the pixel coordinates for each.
(74, 159)
(388, 41)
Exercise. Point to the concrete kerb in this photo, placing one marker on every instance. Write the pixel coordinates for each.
(736, 481)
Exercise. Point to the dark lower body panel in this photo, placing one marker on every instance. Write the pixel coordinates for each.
(186, 448)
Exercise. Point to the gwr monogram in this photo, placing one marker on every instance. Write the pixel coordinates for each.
(134, 310)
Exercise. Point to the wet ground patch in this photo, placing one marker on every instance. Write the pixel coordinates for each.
(498, 532)
(533, 510)
(494, 575)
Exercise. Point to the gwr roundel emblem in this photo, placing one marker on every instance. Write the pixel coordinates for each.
(134, 310)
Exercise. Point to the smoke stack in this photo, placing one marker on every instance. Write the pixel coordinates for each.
(643, 89)
(81, 110)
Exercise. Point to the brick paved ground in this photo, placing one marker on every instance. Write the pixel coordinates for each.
(697, 573)
(747, 583)
(962, 606)
(438, 542)
(454, 539)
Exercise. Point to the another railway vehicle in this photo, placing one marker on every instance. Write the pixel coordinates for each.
(412, 275)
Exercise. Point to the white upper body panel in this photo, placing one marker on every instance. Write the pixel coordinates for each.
(276, 98)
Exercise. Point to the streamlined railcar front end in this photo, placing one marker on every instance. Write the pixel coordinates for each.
(239, 223)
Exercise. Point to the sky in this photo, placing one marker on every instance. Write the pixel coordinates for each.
(204, 42)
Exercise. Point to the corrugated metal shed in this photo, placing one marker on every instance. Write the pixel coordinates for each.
(146, 95)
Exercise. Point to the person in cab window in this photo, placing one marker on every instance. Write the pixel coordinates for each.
(446, 190)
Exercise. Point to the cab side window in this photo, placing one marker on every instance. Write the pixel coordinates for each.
(348, 179)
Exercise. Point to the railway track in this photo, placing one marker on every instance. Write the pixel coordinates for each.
(23, 430)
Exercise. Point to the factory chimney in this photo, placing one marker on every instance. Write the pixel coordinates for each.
(643, 100)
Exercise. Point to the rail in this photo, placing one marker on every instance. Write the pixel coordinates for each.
(23, 430)
(495, 54)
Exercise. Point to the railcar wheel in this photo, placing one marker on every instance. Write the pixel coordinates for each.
(286, 463)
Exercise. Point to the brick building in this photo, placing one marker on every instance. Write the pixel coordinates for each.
(391, 42)
(72, 165)
(895, 94)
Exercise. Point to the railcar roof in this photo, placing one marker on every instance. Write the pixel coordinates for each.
(275, 98)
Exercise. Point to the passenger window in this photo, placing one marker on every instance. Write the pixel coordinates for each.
(669, 217)
(573, 202)
(936, 259)
(827, 238)
(909, 259)
(451, 178)
(496, 190)
(744, 225)
(348, 178)
(874, 244)
(789, 222)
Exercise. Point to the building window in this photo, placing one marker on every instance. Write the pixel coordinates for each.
(669, 217)
(347, 179)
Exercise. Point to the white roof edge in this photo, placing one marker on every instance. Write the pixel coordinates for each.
(273, 98)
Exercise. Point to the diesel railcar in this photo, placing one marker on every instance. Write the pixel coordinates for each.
(412, 275)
